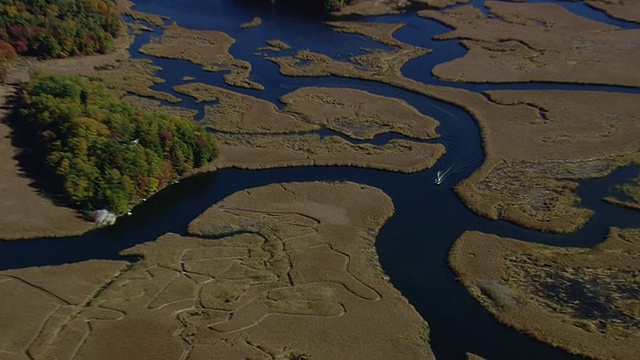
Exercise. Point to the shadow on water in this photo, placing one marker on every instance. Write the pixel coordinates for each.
(413, 245)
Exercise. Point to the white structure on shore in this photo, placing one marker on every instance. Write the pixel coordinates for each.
(104, 218)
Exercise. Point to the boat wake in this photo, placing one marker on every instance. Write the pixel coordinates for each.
(455, 168)
(459, 146)
(440, 175)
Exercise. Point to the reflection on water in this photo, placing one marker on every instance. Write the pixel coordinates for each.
(414, 244)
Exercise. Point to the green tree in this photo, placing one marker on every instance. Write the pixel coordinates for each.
(59, 28)
(102, 153)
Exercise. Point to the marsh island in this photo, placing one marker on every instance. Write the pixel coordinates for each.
(298, 182)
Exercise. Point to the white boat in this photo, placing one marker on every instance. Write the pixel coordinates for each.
(441, 174)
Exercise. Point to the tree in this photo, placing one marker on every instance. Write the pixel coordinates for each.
(59, 28)
(101, 153)
(7, 53)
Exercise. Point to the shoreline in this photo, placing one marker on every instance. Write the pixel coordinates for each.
(483, 108)
(272, 265)
(575, 299)
(297, 256)
(511, 130)
(69, 222)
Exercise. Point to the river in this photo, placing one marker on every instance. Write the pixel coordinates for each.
(414, 244)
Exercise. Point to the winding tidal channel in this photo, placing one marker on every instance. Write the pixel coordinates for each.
(414, 243)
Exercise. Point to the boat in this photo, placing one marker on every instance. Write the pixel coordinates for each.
(441, 174)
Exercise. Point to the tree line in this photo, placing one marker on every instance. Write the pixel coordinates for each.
(58, 28)
(101, 153)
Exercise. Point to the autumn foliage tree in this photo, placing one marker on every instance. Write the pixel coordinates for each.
(7, 53)
(100, 152)
(59, 28)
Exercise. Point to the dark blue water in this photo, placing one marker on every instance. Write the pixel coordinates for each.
(414, 244)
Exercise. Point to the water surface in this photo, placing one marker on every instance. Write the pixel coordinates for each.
(414, 244)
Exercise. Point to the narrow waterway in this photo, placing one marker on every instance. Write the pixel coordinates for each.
(414, 244)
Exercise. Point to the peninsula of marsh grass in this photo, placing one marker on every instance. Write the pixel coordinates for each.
(355, 113)
(582, 300)
(294, 271)
(518, 127)
(525, 42)
(247, 151)
(359, 114)
(210, 49)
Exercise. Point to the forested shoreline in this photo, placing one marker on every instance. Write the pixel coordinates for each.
(99, 152)
(58, 28)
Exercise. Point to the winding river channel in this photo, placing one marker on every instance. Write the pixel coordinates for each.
(414, 243)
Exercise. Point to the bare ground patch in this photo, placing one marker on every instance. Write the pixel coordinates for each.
(582, 300)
